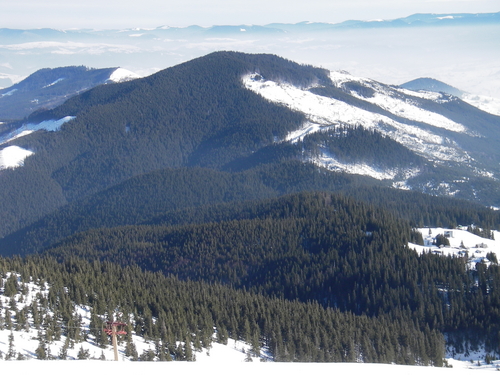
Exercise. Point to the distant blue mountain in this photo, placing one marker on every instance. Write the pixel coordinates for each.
(431, 84)
(415, 20)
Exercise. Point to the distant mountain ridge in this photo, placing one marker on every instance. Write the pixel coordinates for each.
(415, 20)
(47, 88)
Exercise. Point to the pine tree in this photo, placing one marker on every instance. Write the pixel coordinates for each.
(11, 286)
(63, 353)
(83, 354)
(41, 351)
(11, 353)
(131, 351)
(21, 357)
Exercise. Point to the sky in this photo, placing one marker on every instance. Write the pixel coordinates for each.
(99, 14)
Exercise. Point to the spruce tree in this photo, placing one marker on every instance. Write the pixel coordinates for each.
(83, 354)
(11, 286)
(11, 353)
(41, 350)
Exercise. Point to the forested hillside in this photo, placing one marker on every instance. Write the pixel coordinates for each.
(334, 250)
(165, 311)
(194, 114)
(178, 201)
(200, 195)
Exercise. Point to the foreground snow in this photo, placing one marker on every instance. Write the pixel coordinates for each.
(220, 367)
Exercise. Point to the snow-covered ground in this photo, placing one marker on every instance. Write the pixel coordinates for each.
(462, 243)
(49, 125)
(13, 157)
(220, 367)
(219, 358)
(25, 339)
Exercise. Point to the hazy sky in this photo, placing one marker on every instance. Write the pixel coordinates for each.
(66, 14)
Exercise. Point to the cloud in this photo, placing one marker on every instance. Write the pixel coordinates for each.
(67, 48)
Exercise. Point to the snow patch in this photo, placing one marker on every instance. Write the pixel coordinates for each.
(13, 157)
(122, 75)
(49, 125)
(9, 93)
(327, 161)
(53, 83)
(462, 244)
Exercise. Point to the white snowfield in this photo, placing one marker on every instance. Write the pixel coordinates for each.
(123, 75)
(13, 157)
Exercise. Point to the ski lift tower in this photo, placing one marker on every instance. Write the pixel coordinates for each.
(113, 329)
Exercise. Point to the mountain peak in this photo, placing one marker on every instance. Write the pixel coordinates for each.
(431, 84)
(49, 87)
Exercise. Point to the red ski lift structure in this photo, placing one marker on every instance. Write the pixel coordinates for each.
(113, 329)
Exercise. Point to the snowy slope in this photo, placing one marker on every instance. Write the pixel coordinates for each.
(48, 88)
(25, 337)
(13, 157)
(462, 244)
(21, 341)
(324, 113)
(123, 75)
(25, 129)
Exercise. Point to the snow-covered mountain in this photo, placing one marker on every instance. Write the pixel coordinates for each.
(47, 88)
(260, 109)
(435, 125)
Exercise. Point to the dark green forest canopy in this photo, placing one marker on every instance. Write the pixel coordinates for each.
(194, 114)
(326, 248)
(167, 310)
(199, 195)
